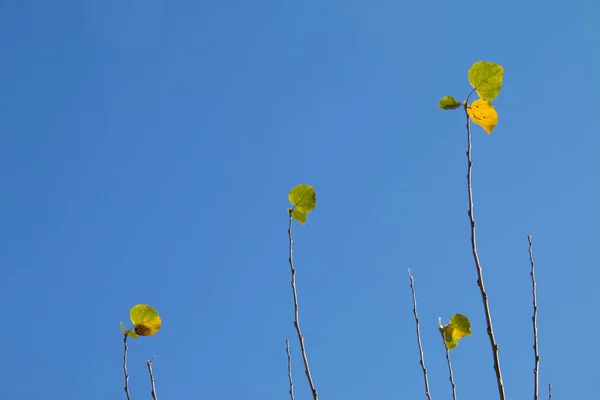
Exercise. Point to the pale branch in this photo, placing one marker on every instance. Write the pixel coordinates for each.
(289, 365)
(296, 319)
(451, 374)
(412, 288)
(125, 365)
(149, 365)
(536, 354)
(549, 391)
(484, 296)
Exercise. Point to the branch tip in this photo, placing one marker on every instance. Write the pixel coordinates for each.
(418, 331)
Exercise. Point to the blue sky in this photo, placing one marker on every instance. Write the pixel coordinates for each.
(146, 153)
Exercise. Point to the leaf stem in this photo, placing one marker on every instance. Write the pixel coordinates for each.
(422, 359)
(296, 319)
(484, 296)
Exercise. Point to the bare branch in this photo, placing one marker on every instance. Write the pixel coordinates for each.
(449, 364)
(289, 359)
(534, 319)
(149, 364)
(412, 288)
(296, 320)
(484, 296)
(549, 391)
(125, 365)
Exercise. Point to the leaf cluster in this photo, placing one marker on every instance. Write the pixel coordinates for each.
(303, 199)
(145, 320)
(486, 79)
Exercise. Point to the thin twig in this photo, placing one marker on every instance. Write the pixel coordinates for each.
(451, 376)
(296, 321)
(534, 319)
(125, 365)
(484, 296)
(412, 288)
(289, 359)
(149, 364)
(549, 391)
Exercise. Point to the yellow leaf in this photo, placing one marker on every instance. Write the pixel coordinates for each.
(145, 319)
(482, 113)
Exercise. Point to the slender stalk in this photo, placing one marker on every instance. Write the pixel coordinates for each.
(149, 364)
(289, 360)
(484, 296)
(296, 319)
(412, 288)
(451, 377)
(536, 365)
(125, 366)
(549, 391)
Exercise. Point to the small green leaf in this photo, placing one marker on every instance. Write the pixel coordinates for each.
(459, 327)
(299, 216)
(486, 78)
(132, 334)
(449, 103)
(128, 332)
(449, 338)
(145, 319)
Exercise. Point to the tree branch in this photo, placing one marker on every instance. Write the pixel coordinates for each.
(149, 364)
(484, 296)
(125, 366)
(534, 319)
(296, 320)
(449, 364)
(549, 391)
(412, 288)
(289, 363)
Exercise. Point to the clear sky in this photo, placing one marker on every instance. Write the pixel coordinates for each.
(146, 153)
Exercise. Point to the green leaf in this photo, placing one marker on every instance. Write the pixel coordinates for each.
(449, 103)
(145, 319)
(304, 199)
(459, 327)
(486, 78)
(128, 332)
(132, 334)
(449, 338)
(299, 216)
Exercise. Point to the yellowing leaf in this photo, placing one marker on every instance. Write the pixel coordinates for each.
(304, 199)
(299, 216)
(461, 324)
(482, 113)
(486, 78)
(459, 327)
(449, 338)
(145, 319)
(449, 103)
